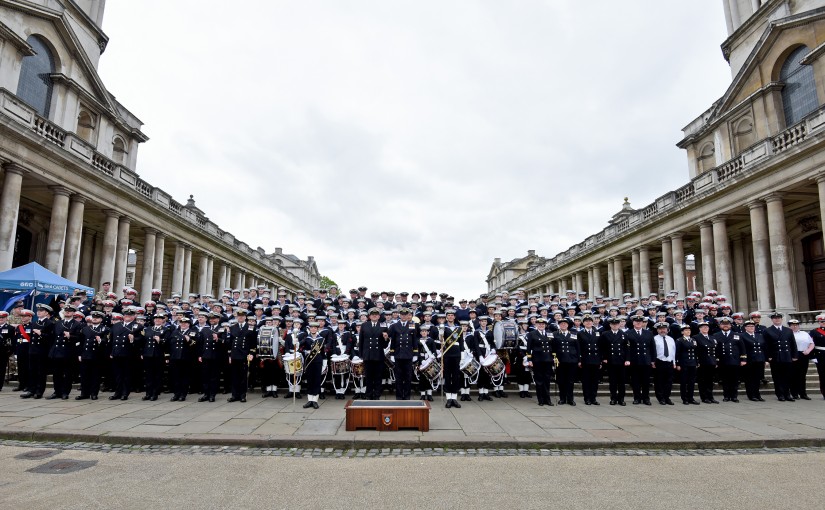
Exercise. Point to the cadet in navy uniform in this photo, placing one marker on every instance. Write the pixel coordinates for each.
(641, 351)
(614, 355)
(566, 352)
(181, 343)
(66, 333)
(730, 351)
(93, 347)
(341, 344)
(591, 360)
(540, 358)
(153, 354)
(706, 369)
(241, 339)
(449, 343)
(403, 352)
(686, 362)
(210, 350)
(315, 348)
(818, 336)
(121, 348)
(484, 346)
(42, 336)
(371, 340)
(781, 355)
(6, 342)
(665, 359)
(756, 349)
(22, 342)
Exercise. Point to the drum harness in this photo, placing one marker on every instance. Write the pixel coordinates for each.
(345, 377)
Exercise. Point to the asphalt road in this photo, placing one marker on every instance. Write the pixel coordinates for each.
(185, 481)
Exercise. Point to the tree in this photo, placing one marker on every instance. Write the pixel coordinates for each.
(327, 282)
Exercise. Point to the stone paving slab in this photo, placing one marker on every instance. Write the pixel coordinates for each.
(501, 423)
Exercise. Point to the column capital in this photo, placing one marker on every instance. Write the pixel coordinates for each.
(150, 230)
(820, 178)
(60, 190)
(721, 218)
(664, 239)
(125, 219)
(705, 224)
(756, 204)
(77, 197)
(159, 234)
(15, 168)
(677, 235)
(112, 213)
(773, 197)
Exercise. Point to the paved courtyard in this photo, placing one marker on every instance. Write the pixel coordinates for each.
(511, 422)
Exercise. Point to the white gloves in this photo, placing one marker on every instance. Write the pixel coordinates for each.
(415, 358)
(392, 358)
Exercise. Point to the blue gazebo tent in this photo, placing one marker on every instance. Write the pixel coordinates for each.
(33, 279)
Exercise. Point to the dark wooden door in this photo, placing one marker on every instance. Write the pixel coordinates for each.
(815, 270)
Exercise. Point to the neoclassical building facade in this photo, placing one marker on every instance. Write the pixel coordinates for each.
(748, 224)
(71, 198)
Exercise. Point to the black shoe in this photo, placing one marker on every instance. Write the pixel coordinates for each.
(503, 395)
(562, 401)
(289, 395)
(243, 399)
(299, 396)
(587, 402)
(695, 403)
(662, 403)
(804, 397)
(613, 402)
(203, 399)
(174, 399)
(38, 396)
(481, 398)
(53, 396)
(669, 402)
(781, 399)
(94, 397)
(541, 403)
(322, 396)
(735, 400)
(114, 397)
(714, 401)
(622, 403)
(752, 399)
(307, 405)
(449, 404)
(81, 397)
(124, 397)
(26, 395)
(429, 398)
(274, 394)
(595, 402)
(315, 405)
(787, 399)
(636, 402)
(647, 402)
(527, 394)
(231, 399)
(154, 397)
(685, 402)
(423, 397)
(726, 399)
(759, 398)
(521, 394)
(212, 398)
(17, 388)
(571, 403)
(456, 404)
(146, 397)
(549, 402)
(264, 394)
(706, 401)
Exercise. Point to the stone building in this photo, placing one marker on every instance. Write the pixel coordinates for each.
(751, 215)
(72, 198)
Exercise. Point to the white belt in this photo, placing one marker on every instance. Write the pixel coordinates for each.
(819, 348)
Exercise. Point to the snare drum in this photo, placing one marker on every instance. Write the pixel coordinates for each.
(340, 364)
(293, 363)
(357, 367)
(431, 369)
(469, 366)
(493, 365)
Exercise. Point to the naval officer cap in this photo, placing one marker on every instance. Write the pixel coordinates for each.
(776, 315)
(724, 319)
(314, 324)
(374, 311)
(46, 307)
(660, 325)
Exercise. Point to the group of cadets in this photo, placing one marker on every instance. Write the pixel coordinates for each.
(402, 342)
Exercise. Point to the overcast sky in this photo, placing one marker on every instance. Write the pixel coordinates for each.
(406, 144)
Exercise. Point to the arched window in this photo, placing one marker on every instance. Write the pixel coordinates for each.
(35, 85)
(707, 159)
(744, 134)
(799, 93)
(85, 125)
(119, 150)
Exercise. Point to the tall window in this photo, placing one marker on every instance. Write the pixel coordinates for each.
(799, 93)
(119, 151)
(35, 86)
(85, 126)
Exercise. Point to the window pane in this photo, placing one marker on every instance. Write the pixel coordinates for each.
(799, 94)
(35, 86)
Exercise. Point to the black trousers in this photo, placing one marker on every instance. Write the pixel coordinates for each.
(373, 373)
(403, 378)
(62, 375)
(37, 373)
(616, 379)
(4, 363)
(270, 372)
(640, 381)
(209, 377)
(122, 368)
(704, 379)
(590, 382)
(313, 376)
(179, 377)
(565, 377)
(800, 372)
(687, 383)
(543, 372)
(730, 380)
(89, 377)
(153, 375)
(754, 373)
(663, 379)
(226, 374)
(781, 375)
(453, 378)
(238, 369)
(820, 369)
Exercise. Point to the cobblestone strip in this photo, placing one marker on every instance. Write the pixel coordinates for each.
(395, 452)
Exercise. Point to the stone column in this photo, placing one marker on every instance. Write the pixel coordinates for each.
(722, 256)
(708, 262)
(87, 254)
(597, 281)
(157, 272)
(187, 271)
(57, 229)
(740, 297)
(644, 271)
(9, 209)
(761, 256)
(203, 274)
(74, 233)
(591, 288)
(221, 278)
(678, 254)
(177, 269)
(210, 276)
(667, 265)
(780, 260)
(611, 288)
(618, 276)
(108, 248)
(239, 280)
(634, 268)
(148, 268)
(820, 182)
(579, 282)
(227, 282)
(121, 254)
